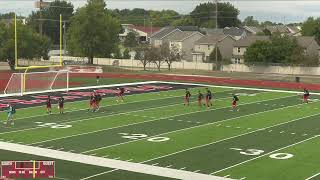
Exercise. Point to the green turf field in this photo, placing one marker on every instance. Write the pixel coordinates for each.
(273, 136)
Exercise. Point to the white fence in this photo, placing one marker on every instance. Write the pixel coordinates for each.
(296, 70)
(204, 66)
(129, 63)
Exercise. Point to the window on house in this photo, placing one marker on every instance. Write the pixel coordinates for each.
(208, 47)
(239, 50)
(237, 61)
(305, 52)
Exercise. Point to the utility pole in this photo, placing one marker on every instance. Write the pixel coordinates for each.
(216, 9)
(40, 22)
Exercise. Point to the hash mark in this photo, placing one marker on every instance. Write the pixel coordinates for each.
(270, 131)
(154, 164)
(196, 170)
(129, 160)
(169, 166)
(243, 178)
(281, 132)
(227, 175)
(116, 158)
(183, 168)
(293, 133)
(108, 155)
(304, 134)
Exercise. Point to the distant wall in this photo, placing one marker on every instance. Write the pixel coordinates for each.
(272, 69)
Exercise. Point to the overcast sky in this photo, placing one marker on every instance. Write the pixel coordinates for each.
(277, 11)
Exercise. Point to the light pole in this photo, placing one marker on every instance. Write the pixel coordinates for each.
(216, 9)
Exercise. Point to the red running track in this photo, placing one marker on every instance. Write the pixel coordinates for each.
(210, 80)
(4, 77)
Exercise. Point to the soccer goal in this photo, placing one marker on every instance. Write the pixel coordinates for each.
(37, 82)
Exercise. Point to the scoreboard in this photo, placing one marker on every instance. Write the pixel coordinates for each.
(27, 169)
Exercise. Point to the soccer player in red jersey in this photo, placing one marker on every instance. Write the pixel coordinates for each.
(61, 105)
(208, 98)
(48, 103)
(235, 99)
(200, 97)
(120, 94)
(187, 97)
(306, 95)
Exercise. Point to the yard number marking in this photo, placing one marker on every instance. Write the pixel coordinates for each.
(257, 152)
(53, 125)
(141, 136)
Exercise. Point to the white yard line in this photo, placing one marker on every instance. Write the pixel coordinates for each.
(235, 87)
(110, 163)
(82, 88)
(313, 176)
(294, 144)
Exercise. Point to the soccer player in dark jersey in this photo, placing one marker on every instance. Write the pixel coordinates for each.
(98, 99)
(200, 97)
(61, 104)
(235, 99)
(120, 94)
(91, 101)
(187, 97)
(208, 98)
(48, 103)
(306, 95)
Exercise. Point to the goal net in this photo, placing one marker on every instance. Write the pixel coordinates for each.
(33, 82)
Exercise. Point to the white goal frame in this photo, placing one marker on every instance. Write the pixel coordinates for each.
(49, 89)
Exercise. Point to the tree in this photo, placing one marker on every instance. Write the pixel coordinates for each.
(31, 45)
(216, 57)
(184, 21)
(204, 15)
(153, 55)
(142, 55)
(131, 40)
(250, 21)
(281, 49)
(170, 55)
(93, 31)
(51, 27)
(126, 54)
(311, 27)
(260, 51)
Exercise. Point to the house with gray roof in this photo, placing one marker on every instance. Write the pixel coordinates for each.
(252, 30)
(184, 42)
(236, 32)
(205, 45)
(309, 45)
(164, 34)
(241, 46)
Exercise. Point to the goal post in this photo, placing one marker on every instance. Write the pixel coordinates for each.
(37, 82)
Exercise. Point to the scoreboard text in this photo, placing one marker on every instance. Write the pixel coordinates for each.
(27, 169)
